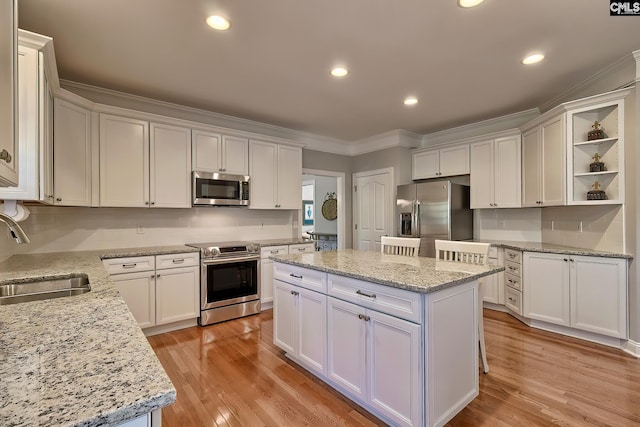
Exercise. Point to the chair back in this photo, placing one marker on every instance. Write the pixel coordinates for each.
(466, 252)
(400, 246)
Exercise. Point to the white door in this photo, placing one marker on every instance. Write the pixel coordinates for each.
(206, 149)
(262, 169)
(138, 290)
(170, 167)
(235, 155)
(531, 168)
(507, 179)
(289, 177)
(454, 161)
(546, 287)
(177, 294)
(552, 136)
(373, 209)
(426, 165)
(312, 331)
(482, 168)
(284, 315)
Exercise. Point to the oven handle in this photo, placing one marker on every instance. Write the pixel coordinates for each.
(230, 260)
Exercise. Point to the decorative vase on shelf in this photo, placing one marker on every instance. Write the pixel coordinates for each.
(597, 165)
(596, 133)
(596, 193)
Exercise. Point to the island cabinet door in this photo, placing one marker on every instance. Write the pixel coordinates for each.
(311, 342)
(347, 348)
(284, 314)
(394, 368)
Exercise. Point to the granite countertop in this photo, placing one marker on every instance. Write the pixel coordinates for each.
(416, 274)
(279, 242)
(80, 360)
(556, 249)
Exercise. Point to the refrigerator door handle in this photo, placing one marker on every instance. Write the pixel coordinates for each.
(415, 232)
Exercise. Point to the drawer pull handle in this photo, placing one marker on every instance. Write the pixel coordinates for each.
(178, 261)
(132, 265)
(363, 317)
(512, 255)
(301, 249)
(294, 276)
(513, 268)
(359, 292)
(512, 300)
(275, 252)
(295, 293)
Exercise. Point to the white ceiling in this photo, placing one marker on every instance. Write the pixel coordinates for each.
(273, 65)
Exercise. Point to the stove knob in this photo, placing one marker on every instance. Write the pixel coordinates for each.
(207, 252)
(215, 252)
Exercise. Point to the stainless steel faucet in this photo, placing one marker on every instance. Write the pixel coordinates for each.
(16, 231)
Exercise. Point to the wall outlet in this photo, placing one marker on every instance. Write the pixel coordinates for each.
(139, 229)
(580, 226)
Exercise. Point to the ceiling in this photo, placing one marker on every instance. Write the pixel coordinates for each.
(273, 65)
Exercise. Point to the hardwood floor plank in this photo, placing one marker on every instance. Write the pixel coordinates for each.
(231, 374)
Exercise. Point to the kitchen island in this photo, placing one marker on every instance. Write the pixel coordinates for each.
(397, 335)
(80, 360)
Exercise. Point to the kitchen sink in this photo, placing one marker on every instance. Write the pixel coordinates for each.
(14, 293)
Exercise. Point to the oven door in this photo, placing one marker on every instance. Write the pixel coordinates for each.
(216, 189)
(229, 281)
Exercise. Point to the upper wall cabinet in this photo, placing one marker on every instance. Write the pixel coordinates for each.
(447, 161)
(495, 173)
(595, 172)
(139, 171)
(213, 152)
(276, 176)
(544, 163)
(9, 153)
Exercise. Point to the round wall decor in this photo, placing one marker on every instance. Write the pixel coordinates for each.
(330, 207)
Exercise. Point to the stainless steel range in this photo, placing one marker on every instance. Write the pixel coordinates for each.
(229, 280)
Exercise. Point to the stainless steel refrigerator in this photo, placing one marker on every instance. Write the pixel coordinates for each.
(434, 210)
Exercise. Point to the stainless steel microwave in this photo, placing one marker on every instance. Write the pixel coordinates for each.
(218, 189)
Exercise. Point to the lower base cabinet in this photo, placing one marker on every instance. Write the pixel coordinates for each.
(374, 358)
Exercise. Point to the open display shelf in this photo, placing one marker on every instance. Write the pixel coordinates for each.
(608, 111)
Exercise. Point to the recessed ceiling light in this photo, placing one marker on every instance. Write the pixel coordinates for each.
(410, 100)
(532, 59)
(218, 22)
(339, 72)
(469, 3)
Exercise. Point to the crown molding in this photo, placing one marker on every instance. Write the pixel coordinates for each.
(394, 138)
(485, 127)
(600, 75)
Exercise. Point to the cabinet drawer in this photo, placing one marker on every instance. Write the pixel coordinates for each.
(299, 276)
(513, 256)
(386, 299)
(513, 281)
(301, 248)
(129, 265)
(512, 268)
(177, 260)
(513, 300)
(493, 252)
(266, 252)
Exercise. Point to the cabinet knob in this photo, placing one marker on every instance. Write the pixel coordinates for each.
(295, 293)
(153, 203)
(4, 155)
(58, 199)
(146, 203)
(364, 317)
(565, 260)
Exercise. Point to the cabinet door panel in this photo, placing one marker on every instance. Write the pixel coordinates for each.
(531, 179)
(124, 162)
(289, 177)
(263, 165)
(178, 293)
(284, 316)
(553, 161)
(507, 172)
(426, 165)
(599, 295)
(170, 167)
(71, 155)
(546, 287)
(482, 165)
(9, 92)
(207, 151)
(346, 362)
(266, 281)
(312, 331)
(454, 161)
(138, 291)
(235, 152)
(394, 368)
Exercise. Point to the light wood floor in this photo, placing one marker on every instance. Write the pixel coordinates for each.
(230, 374)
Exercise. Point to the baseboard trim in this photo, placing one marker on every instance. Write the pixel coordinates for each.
(266, 304)
(161, 329)
(631, 347)
(494, 306)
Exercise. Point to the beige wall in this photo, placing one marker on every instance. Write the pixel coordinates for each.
(399, 158)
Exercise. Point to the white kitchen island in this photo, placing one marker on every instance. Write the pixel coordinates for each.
(397, 335)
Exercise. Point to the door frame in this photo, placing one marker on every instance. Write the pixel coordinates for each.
(390, 209)
(341, 177)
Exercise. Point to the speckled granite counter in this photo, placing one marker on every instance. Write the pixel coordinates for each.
(556, 249)
(278, 242)
(420, 274)
(80, 360)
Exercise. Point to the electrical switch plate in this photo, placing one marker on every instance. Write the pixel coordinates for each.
(140, 229)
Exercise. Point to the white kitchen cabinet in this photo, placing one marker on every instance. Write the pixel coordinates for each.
(448, 161)
(214, 152)
(362, 345)
(71, 155)
(300, 316)
(136, 171)
(491, 287)
(276, 176)
(582, 292)
(266, 268)
(159, 290)
(495, 173)
(512, 277)
(544, 163)
(9, 145)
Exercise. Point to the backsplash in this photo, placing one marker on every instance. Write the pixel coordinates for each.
(54, 229)
(523, 225)
(593, 227)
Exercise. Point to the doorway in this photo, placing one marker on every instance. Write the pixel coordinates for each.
(326, 226)
(373, 205)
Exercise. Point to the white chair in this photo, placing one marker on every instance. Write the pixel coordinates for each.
(469, 253)
(400, 246)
